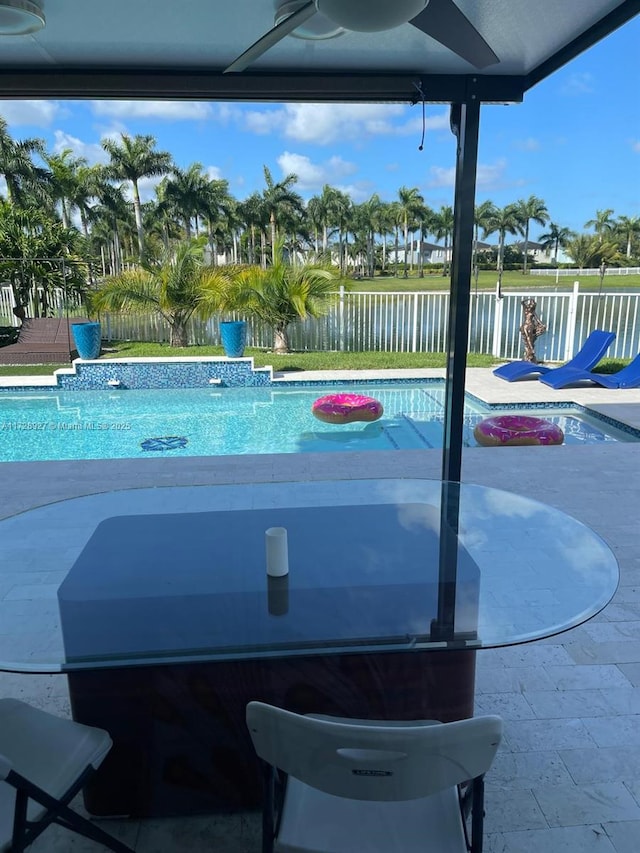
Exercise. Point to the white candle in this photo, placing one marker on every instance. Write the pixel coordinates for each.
(277, 551)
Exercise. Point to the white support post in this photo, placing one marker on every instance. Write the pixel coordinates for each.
(572, 315)
(497, 322)
(414, 331)
(341, 319)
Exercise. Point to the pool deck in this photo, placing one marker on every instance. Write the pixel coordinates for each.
(567, 777)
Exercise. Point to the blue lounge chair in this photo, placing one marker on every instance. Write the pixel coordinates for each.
(587, 357)
(628, 377)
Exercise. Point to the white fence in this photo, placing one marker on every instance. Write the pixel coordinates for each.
(416, 322)
(57, 304)
(593, 271)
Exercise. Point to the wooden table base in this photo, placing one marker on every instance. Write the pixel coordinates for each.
(181, 745)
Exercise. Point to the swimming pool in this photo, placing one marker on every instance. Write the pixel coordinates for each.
(49, 425)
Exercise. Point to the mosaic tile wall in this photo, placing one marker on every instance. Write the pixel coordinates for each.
(188, 373)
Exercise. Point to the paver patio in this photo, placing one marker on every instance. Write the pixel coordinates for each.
(567, 777)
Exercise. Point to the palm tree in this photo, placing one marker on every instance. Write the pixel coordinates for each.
(602, 224)
(628, 227)
(90, 185)
(64, 180)
(114, 223)
(218, 206)
(253, 216)
(279, 200)
(184, 191)
(411, 203)
(442, 228)
(532, 209)
(18, 169)
(315, 216)
(37, 250)
(340, 215)
(425, 226)
(134, 158)
(384, 225)
(481, 217)
(331, 203)
(503, 220)
(284, 293)
(557, 236)
(175, 288)
(372, 212)
(589, 250)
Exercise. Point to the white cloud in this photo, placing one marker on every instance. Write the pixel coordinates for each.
(635, 145)
(169, 110)
(324, 124)
(262, 122)
(441, 177)
(38, 113)
(488, 176)
(528, 144)
(214, 173)
(91, 151)
(312, 176)
(491, 177)
(356, 192)
(578, 83)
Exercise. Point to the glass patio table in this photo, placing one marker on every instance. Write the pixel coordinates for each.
(157, 604)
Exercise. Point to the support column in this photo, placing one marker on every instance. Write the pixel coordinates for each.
(465, 121)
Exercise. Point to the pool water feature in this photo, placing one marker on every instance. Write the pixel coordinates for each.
(110, 424)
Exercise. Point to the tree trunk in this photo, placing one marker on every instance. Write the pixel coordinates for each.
(272, 219)
(263, 250)
(280, 340)
(406, 248)
(397, 250)
(526, 248)
(178, 335)
(252, 245)
(138, 215)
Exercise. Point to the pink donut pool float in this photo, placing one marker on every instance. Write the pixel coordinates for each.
(509, 430)
(345, 408)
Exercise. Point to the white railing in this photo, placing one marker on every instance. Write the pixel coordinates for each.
(58, 305)
(592, 271)
(414, 322)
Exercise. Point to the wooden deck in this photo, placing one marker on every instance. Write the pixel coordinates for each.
(42, 341)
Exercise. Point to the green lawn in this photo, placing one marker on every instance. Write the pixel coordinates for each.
(293, 361)
(487, 281)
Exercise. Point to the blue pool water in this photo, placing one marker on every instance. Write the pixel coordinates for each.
(228, 421)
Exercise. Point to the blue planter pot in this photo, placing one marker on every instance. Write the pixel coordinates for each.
(233, 334)
(87, 338)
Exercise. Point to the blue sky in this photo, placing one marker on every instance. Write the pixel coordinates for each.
(575, 141)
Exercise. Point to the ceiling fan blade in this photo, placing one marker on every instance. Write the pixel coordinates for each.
(272, 38)
(444, 22)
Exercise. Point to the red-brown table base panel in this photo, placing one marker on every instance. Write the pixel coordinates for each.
(181, 745)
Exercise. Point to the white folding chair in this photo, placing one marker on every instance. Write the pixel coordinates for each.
(44, 762)
(334, 785)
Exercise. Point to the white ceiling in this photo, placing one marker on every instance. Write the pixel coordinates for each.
(204, 36)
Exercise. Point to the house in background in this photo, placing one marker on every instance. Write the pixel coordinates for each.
(432, 253)
(540, 254)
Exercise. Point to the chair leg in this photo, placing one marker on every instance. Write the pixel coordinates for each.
(477, 815)
(25, 832)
